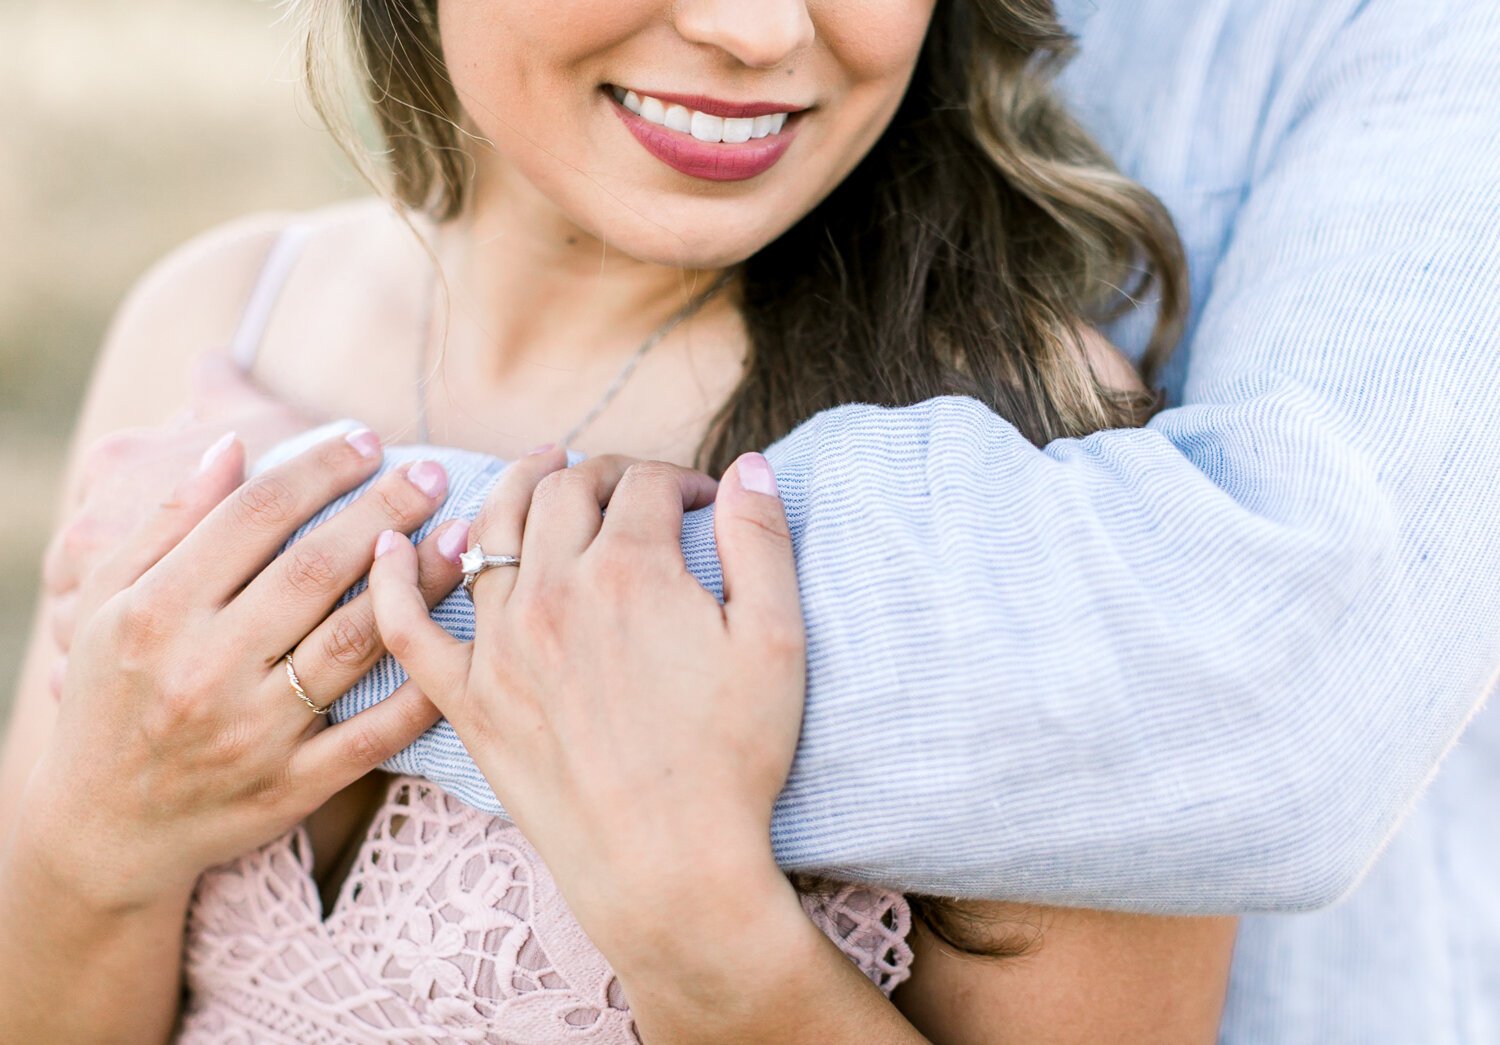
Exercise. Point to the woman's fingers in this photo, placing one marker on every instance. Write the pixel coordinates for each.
(501, 522)
(755, 549)
(337, 756)
(244, 533)
(339, 651)
(296, 591)
(435, 660)
(646, 506)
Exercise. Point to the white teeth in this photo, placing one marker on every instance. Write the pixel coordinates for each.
(700, 125)
(707, 128)
(738, 130)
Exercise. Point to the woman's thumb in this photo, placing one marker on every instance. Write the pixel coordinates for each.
(755, 550)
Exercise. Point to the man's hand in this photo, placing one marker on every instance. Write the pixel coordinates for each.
(127, 475)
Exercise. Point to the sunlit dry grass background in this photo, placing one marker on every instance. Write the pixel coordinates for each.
(129, 127)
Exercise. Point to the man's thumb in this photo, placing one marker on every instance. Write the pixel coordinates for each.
(755, 550)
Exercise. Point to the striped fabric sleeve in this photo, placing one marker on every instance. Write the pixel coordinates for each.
(1202, 666)
(1207, 665)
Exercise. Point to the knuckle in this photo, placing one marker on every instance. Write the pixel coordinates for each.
(397, 502)
(179, 703)
(270, 789)
(231, 743)
(143, 625)
(79, 538)
(783, 639)
(364, 747)
(537, 612)
(351, 640)
(265, 503)
(653, 473)
(397, 640)
(310, 570)
(621, 569)
(108, 452)
(563, 484)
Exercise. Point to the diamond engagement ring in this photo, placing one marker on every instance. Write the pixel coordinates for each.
(475, 561)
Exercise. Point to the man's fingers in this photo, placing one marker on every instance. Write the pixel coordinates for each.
(437, 661)
(755, 549)
(339, 651)
(337, 756)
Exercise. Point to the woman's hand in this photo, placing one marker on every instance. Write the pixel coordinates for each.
(636, 731)
(180, 743)
(126, 475)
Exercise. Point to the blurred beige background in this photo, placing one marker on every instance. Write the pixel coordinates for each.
(130, 127)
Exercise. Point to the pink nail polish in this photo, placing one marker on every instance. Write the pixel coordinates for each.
(543, 448)
(429, 477)
(756, 475)
(385, 542)
(454, 541)
(365, 441)
(213, 453)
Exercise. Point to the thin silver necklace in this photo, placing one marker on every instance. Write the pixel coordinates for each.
(687, 311)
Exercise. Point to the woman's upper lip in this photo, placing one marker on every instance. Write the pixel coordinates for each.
(717, 106)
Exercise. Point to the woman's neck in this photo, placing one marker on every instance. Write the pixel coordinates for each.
(530, 288)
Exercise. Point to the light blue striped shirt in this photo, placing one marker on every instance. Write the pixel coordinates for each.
(1213, 664)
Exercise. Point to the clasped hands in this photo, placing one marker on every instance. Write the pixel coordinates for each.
(636, 729)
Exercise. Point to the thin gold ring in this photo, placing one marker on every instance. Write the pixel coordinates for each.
(291, 676)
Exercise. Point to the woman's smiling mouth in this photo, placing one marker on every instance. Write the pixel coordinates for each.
(705, 137)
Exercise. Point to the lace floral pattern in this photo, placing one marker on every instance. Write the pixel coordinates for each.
(448, 928)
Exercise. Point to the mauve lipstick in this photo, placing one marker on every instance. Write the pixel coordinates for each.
(711, 161)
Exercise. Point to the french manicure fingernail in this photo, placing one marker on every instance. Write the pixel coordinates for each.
(756, 475)
(385, 542)
(365, 441)
(213, 453)
(454, 541)
(429, 477)
(540, 449)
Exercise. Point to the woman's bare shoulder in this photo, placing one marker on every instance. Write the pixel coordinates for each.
(187, 303)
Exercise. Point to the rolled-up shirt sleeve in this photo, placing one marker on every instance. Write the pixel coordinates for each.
(1208, 664)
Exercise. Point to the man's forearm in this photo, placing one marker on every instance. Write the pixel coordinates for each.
(73, 970)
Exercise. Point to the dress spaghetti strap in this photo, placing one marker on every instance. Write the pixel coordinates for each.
(245, 345)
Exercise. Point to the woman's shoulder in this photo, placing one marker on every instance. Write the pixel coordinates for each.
(190, 302)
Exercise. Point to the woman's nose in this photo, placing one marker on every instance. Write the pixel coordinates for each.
(760, 33)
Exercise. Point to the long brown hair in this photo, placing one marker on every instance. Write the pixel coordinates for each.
(960, 257)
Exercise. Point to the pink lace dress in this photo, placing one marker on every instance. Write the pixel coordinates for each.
(448, 929)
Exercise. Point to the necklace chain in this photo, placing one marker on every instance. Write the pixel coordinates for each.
(687, 311)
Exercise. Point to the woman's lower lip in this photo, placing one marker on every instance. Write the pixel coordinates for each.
(712, 161)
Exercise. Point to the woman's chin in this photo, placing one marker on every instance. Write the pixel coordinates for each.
(690, 242)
